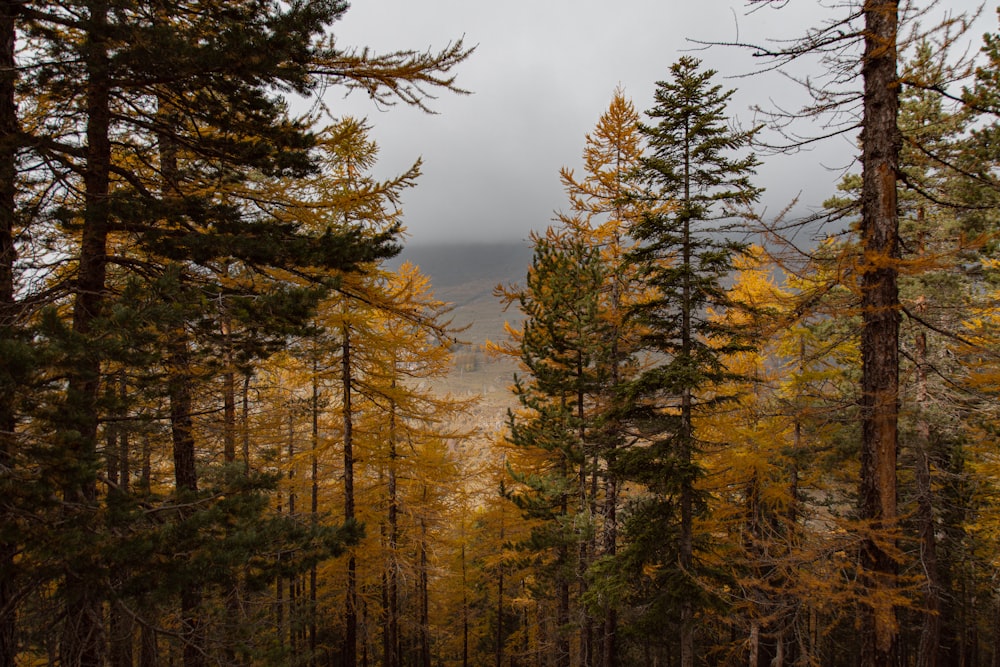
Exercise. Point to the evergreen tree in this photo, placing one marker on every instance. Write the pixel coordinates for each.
(692, 163)
(562, 348)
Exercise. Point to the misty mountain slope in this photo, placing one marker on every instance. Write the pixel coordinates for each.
(465, 276)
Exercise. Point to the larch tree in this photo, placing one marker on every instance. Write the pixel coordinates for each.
(754, 478)
(602, 211)
(862, 50)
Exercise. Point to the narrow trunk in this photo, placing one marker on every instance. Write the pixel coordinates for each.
(392, 581)
(233, 607)
(149, 649)
(228, 396)
(83, 641)
(350, 606)
(179, 389)
(562, 617)
(930, 632)
(124, 462)
(562, 656)
(245, 422)
(146, 471)
(186, 481)
(292, 581)
(424, 596)
(465, 607)
(314, 512)
(181, 424)
(499, 634)
(609, 651)
(8, 255)
(121, 626)
(880, 328)
(586, 501)
(279, 589)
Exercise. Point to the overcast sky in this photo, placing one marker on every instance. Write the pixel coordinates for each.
(542, 74)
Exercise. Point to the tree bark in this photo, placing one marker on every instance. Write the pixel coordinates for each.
(880, 329)
(8, 255)
(83, 641)
(930, 632)
(185, 481)
(314, 513)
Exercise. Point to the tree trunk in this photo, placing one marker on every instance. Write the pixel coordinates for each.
(186, 481)
(609, 650)
(930, 633)
(350, 606)
(149, 650)
(83, 638)
(121, 626)
(424, 597)
(586, 500)
(181, 424)
(8, 255)
(686, 425)
(245, 422)
(561, 645)
(233, 607)
(392, 658)
(880, 329)
(228, 394)
(314, 514)
(500, 572)
(293, 580)
(465, 605)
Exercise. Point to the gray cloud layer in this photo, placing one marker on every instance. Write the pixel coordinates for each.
(542, 74)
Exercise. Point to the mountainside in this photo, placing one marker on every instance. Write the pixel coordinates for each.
(465, 275)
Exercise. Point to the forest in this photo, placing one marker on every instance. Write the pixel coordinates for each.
(226, 430)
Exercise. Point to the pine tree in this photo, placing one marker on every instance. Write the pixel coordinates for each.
(692, 163)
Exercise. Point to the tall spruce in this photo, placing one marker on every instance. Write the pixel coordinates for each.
(697, 164)
(562, 348)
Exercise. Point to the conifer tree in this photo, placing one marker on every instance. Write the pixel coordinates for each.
(562, 349)
(110, 86)
(693, 163)
(862, 52)
(602, 210)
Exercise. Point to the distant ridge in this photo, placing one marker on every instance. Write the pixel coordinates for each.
(454, 264)
(465, 275)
